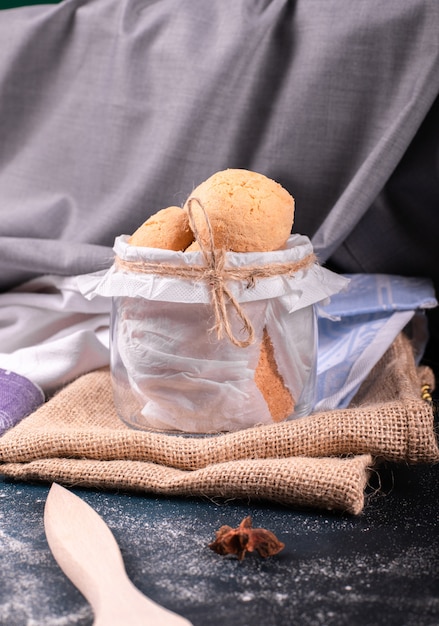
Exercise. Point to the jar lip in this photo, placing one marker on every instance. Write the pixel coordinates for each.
(303, 288)
(296, 248)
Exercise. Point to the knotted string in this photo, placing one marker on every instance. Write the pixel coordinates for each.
(216, 275)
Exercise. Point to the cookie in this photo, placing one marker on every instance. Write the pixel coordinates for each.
(248, 211)
(167, 229)
(271, 384)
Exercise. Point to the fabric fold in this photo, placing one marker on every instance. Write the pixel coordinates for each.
(393, 431)
(330, 483)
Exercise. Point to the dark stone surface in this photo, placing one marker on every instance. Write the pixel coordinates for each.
(379, 568)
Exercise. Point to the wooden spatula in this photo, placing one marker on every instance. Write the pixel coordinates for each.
(86, 550)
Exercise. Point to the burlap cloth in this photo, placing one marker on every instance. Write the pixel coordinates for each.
(323, 460)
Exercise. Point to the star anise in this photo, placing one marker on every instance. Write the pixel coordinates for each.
(244, 539)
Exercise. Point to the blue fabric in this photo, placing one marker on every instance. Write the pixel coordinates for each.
(359, 325)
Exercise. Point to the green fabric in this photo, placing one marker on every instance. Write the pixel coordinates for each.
(12, 4)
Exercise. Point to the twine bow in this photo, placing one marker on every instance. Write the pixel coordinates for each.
(216, 275)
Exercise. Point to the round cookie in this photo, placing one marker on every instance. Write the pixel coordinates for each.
(167, 229)
(248, 211)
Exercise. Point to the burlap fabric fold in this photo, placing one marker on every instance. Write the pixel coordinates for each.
(323, 460)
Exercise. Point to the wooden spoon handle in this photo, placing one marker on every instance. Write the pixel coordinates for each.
(87, 552)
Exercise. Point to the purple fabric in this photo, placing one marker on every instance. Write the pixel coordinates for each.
(18, 398)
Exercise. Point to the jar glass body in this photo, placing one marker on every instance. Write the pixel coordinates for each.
(171, 373)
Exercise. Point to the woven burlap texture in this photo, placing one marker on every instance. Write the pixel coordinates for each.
(322, 460)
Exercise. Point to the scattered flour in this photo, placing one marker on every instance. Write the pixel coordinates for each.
(330, 573)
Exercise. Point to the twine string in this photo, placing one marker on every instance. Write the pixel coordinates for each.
(215, 262)
(216, 275)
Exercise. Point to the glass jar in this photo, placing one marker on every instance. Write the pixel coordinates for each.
(172, 373)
